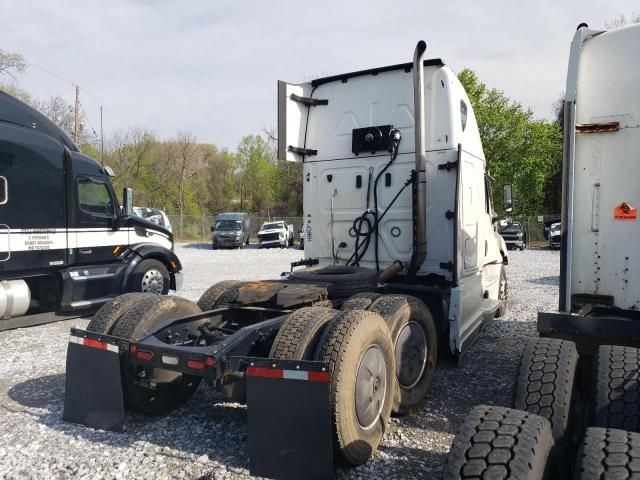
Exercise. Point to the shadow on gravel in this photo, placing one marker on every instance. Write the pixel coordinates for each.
(553, 281)
(197, 428)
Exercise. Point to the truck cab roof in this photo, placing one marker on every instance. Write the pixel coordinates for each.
(15, 111)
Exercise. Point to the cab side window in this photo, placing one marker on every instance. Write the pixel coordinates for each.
(95, 198)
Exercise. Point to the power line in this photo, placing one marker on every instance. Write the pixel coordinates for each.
(71, 82)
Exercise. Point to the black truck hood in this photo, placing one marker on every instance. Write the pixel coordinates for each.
(137, 222)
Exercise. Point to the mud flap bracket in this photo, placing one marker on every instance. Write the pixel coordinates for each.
(93, 388)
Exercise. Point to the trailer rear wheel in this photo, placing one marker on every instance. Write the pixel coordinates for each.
(171, 389)
(358, 351)
(360, 301)
(545, 384)
(616, 396)
(150, 276)
(109, 313)
(298, 337)
(219, 294)
(609, 454)
(499, 443)
(415, 342)
(342, 281)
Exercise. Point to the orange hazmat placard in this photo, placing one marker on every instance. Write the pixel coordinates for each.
(624, 211)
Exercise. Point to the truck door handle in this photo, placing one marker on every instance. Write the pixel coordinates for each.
(595, 208)
(86, 251)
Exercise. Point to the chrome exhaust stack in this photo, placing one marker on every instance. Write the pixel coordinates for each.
(420, 252)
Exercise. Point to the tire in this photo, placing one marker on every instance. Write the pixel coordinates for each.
(172, 389)
(545, 384)
(150, 276)
(342, 282)
(109, 313)
(220, 293)
(298, 337)
(616, 388)
(497, 443)
(360, 301)
(415, 343)
(503, 293)
(353, 346)
(607, 453)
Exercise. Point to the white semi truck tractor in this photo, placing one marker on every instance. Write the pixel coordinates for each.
(576, 402)
(401, 256)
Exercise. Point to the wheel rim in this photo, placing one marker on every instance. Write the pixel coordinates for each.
(152, 282)
(371, 386)
(411, 352)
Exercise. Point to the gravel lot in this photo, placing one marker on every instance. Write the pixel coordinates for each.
(208, 439)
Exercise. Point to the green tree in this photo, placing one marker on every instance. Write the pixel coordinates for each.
(256, 171)
(519, 149)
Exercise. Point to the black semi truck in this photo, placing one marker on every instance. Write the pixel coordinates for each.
(66, 245)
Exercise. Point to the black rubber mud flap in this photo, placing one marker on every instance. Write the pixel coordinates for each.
(93, 388)
(289, 419)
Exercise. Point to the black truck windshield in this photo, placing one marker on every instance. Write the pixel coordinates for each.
(228, 225)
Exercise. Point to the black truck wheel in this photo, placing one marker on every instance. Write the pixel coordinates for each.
(545, 384)
(171, 389)
(360, 301)
(109, 313)
(499, 443)
(150, 276)
(616, 388)
(415, 342)
(298, 337)
(219, 294)
(358, 351)
(342, 281)
(607, 453)
(503, 293)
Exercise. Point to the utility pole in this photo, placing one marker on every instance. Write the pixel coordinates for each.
(76, 123)
(101, 139)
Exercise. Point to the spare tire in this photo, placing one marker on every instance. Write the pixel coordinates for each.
(341, 281)
(220, 293)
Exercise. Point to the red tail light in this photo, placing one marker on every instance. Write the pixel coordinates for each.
(210, 361)
(195, 364)
(143, 355)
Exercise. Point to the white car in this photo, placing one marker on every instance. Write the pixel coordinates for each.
(275, 234)
(153, 215)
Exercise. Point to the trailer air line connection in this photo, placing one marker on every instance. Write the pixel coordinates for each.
(366, 225)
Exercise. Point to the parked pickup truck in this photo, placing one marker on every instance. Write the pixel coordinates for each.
(275, 234)
(514, 236)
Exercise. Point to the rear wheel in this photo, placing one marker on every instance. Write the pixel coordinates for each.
(607, 453)
(107, 316)
(616, 395)
(415, 342)
(360, 301)
(498, 443)
(157, 391)
(219, 294)
(358, 351)
(298, 337)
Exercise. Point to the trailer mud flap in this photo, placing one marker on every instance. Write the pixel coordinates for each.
(289, 419)
(93, 389)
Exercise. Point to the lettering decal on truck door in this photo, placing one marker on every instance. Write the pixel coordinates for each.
(624, 211)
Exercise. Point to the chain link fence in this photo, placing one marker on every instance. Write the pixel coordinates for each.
(198, 227)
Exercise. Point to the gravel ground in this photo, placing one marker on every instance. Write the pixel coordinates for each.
(207, 439)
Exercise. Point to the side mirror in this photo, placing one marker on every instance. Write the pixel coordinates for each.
(127, 200)
(507, 196)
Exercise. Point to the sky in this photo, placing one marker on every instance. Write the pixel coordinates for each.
(211, 67)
